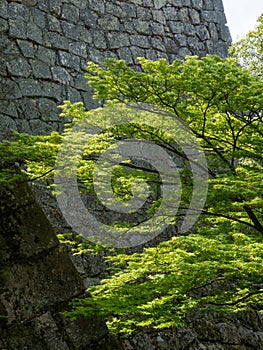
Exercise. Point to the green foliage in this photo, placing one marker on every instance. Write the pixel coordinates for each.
(219, 264)
(249, 51)
(219, 268)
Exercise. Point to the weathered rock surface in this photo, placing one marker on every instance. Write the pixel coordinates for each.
(38, 280)
(45, 44)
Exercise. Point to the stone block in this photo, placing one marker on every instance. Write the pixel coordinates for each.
(117, 40)
(109, 22)
(140, 41)
(3, 9)
(3, 25)
(158, 16)
(60, 75)
(24, 229)
(73, 95)
(69, 60)
(48, 109)
(34, 33)
(38, 284)
(39, 127)
(41, 70)
(27, 48)
(53, 24)
(19, 67)
(28, 108)
(46, 55)
(9, 89)
(52, 90)
(99, 39)
(194, 16)
(8, 125)
(18, 11)
(158, 4)
(30, 87)
(55, 7)
(57, 41)
(70, 13)
(17, 29)
(70, 30)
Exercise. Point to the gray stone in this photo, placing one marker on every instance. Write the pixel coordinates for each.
(73, 95)
(99, 39)
(95, 55)
(81, 83)
(125, 54)
(157, 44)
(137, 52)
(38, 18)
(9, 108)
(9, 89)
(208, 4)
(52, 90)
(157, 29)
(142, 27)
(58, 41)
(140, 41)
(55, 7)
(3, 9)
(27, 48)
(48, 109)
(17, 29)
(70, 13)
(117, 40)
(84, 35)
(109, 22)
(30, 87)
(61, 75)
(194, 16)
(218, 6)
(18, 11)
(89, 18)
(29, 3)
(40, 69)
(176, 27)
(158, 16)
(197, 4)
(29, 108)
(183, 15)
(144, 14)
(129, 10)
(8, 125)
(19, 67)
(203, 33)
(69, 60)
(70, 30)
(114, 9)
(158, 4)
(46, 55)
(43, 5)
(78, 48)
(34, 33)
(53, 24)
(3, 25)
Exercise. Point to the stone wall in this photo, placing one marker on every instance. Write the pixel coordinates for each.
(45, 44)
(37, 281)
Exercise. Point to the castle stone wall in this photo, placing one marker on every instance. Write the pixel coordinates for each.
(45, 45)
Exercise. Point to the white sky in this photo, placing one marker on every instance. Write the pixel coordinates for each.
(242, 15)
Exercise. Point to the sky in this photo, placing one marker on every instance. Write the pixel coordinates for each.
(242, 15)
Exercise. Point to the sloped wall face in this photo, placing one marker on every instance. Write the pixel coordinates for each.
(45, 44)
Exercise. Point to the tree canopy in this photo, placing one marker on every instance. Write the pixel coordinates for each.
(249, 51)
(218, 264)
